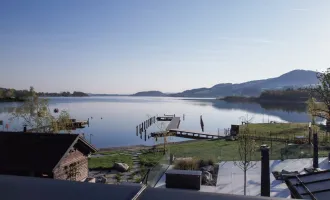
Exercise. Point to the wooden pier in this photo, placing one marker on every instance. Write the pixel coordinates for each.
(187, 134)
(174, 123)
(166, 118)
(145, 125)
(72, 125)
(202, 135)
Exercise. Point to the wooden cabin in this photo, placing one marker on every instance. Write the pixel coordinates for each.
(55, 156)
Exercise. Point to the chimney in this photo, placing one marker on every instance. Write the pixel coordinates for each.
(265, 177)
(316, 151)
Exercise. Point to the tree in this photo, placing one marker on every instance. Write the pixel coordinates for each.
(10, 93)
(319, 101)
(246, 151)
(36, 115)
(1, 94)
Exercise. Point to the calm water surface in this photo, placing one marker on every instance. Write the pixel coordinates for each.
(121, 115)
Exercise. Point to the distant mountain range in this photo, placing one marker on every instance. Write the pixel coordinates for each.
(292, 79)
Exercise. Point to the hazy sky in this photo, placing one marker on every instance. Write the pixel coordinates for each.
(125, 46)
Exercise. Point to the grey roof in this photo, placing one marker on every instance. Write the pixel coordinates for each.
(177, 194)
(310, 186)
(22, 188)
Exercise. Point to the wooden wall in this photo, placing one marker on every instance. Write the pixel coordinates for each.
(73, 167)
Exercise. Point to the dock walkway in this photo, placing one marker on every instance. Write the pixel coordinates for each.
(188, 134)
(174, 123)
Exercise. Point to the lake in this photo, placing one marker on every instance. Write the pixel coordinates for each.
(113, 120)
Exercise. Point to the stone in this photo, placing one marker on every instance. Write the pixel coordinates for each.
(208, 168)
(122, 167)
(100, 179)
(206, 177)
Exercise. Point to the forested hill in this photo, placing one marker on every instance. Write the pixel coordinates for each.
(8, 94)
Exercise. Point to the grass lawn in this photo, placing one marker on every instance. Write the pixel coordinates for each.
(222, 150)
(278, 128)
(108, 160)
(217, 150)
(150, 159)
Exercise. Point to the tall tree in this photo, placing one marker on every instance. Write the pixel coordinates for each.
(1, 94)
(246, 151)
(35, 114)
(319, 101)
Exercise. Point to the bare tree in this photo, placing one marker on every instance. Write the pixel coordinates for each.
(35, 114)
(246, 151)
(162, 129)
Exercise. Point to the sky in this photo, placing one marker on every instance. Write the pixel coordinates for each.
(127, 46)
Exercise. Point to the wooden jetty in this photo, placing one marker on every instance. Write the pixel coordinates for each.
(145, 125)
(202, 135)
(174, 123)
(77, 124)
(164, 118)
(187, 134)
(72, 125)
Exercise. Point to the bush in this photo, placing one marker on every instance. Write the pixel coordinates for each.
(186, 165)
(202, 163)
(210, 162)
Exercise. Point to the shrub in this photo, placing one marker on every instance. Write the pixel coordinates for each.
(202, 163)
(210, 162)
(186, 165)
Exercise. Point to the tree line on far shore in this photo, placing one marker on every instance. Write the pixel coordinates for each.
(283, 95)
(8, 94)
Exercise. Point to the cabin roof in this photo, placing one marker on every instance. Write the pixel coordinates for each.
(37, 151)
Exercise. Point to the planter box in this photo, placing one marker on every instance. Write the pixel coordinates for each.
(184, 179)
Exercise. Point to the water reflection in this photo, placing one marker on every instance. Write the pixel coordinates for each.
(291, 112)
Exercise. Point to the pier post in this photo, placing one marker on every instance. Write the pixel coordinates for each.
(137, 130)
(145, 135)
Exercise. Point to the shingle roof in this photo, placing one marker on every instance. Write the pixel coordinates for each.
(35, 151)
